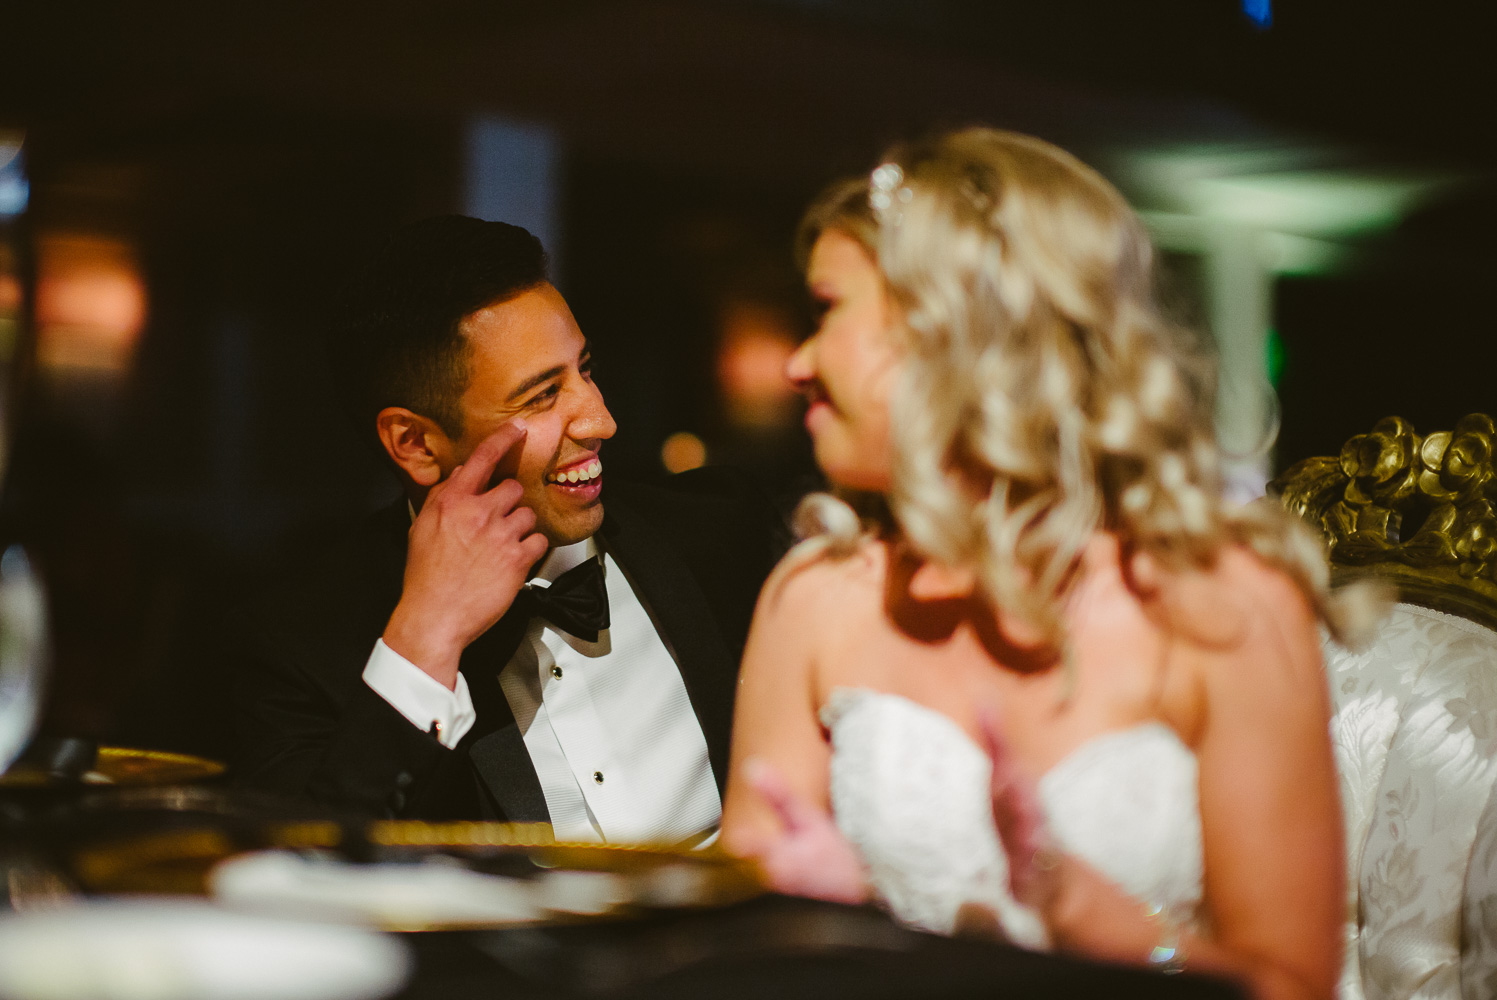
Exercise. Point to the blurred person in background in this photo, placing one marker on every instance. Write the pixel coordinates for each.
(1028, 673)
(496, 645)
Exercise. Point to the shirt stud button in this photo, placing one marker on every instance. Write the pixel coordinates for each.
(598, 777)
(556, 672)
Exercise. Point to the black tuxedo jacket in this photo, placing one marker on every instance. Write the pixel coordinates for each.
(696, 550)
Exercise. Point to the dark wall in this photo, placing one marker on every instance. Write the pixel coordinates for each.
(1413, 333)
(152, 505)
(653, 258)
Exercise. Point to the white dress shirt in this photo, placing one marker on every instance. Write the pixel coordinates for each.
(609, 727)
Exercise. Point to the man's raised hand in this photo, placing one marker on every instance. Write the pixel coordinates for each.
(471, 549)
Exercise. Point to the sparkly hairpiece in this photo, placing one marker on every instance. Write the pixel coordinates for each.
(886, 190)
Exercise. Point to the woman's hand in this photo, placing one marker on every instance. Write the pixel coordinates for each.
(810, 857)
(1034, 865)
(1083, 911)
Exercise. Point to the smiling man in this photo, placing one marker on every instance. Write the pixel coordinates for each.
(520, 637)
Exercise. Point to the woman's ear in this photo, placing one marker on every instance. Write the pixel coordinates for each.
(413, 442)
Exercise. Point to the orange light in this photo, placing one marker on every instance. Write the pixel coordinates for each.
(10, 295)
(10, 307)
(683, 451)
(757, 341)
(90, 304)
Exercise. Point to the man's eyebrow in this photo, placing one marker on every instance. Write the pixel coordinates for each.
(542, 378)
(535, 380)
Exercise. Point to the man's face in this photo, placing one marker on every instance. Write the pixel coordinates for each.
(529, 359)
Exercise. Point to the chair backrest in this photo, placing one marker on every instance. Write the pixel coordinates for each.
(1415, 728)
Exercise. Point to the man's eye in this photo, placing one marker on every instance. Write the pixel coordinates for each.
(546, 395)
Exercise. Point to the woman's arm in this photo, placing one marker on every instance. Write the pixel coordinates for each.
(776, 810)
(1270, 806)
(1270, 816)
(774, 718)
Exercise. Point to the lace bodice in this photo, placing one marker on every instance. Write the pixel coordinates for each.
(910, 789)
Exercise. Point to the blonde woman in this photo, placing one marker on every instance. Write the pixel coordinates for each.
(1029, 673)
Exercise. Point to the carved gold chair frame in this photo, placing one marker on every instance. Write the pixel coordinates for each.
(1417, 511)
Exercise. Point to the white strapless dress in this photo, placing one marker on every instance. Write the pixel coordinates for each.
(911, 791)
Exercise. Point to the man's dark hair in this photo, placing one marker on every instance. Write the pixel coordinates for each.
(397, 339)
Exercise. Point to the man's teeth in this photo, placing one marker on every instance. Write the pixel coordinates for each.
(581, 474)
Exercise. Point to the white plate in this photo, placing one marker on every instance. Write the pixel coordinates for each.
(152, 949)
(400, 896)
(427, 895)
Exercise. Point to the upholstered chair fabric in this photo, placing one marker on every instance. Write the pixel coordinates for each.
(1479, 928)
(1415, 734)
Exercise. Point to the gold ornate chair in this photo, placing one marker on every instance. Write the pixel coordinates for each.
(1415, 727)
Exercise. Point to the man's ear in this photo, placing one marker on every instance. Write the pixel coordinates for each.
(413, 442)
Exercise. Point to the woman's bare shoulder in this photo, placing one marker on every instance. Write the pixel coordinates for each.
(1240, 568)
(810, 580)
(1242, 611)
(809, 607)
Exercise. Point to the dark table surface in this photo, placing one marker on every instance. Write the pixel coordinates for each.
(773, 946)
(770, 946)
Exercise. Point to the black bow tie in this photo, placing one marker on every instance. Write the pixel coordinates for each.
(576, 601)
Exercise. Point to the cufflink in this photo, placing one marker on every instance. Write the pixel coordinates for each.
(435, 730)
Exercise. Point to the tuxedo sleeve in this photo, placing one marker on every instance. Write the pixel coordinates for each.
(419, 696)
(310, 728)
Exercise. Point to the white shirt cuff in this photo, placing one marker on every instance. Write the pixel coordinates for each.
(419, 696)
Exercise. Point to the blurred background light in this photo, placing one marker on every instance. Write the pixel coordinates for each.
(90, 305)
(10, 289)
(15, 192)
(1248, 213)
(1284, 187)
(1276, 357)
(10, 307)
(757, 341)
(1260, 12)
(512, 174)
(1334, 204)
(682, 452)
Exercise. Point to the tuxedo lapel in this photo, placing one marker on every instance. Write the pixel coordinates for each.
(684, 620)
(496, 745)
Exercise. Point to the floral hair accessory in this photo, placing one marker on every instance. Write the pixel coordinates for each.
(886, 188)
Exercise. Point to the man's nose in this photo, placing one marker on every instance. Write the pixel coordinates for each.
(592, 419)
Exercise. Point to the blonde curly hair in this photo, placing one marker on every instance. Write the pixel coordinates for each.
(1042, 395)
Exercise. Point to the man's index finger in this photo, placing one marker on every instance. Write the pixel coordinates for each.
(477, 472)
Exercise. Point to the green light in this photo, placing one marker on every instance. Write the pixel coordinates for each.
(1280, 189)
(1274, 357)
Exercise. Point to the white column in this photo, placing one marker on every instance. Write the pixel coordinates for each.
(1239, 292)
